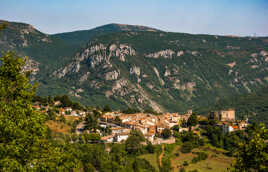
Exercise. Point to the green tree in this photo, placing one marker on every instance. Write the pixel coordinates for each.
(91, 122)
(150, 147)
(142, 165)
(90, 138)
(117, 120)
(166, 133)
(118, 154)
(252, 155)
(62, 119)
(187, 147)
(176, 128)
(107, 108)
(52, 114)
(133, 142)
(192, 121)
(21, 128)
(2, 26)
(23, 135)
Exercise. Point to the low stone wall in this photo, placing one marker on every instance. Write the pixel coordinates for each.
(166, 141)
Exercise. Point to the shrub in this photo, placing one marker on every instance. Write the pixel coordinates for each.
(166, 133)
(187, 147)
(177, 154)
(182, 170)
(200, 156)
(193, 170)
(185, 163)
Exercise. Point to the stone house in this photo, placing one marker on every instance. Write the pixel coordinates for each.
(223, 115)
(227, 115)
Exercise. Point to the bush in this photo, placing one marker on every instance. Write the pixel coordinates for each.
(107, 108)
(51, 115)
(177, 154)
(150, 147)
(182, 170)
(142, 165)
(185, 163)
(200, 156)
(175, 128)
(62, 119)
(193, 170)
(187, 147)
(130, 111)
(166, 133)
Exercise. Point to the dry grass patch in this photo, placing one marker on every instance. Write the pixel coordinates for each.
(216, 160)
(58, 127)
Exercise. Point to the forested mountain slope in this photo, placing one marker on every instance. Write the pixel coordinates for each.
(253, 105)
(166, 71)
(141, 67)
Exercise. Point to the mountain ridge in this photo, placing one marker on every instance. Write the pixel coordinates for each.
(164, 71)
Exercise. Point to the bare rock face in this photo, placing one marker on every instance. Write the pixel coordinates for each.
(96, 55)
(25, 43)
(84, 77)
(180, 53)
(72, 67)
(32, 66)
(27, 29)
(264, 53)
(119, 85)
(163, 53)
(254, 66)
(121, 51)
(232, 47)
(167, 72)
(231, 65)
(46, 40)
(149, 85)
(195, 53)
(266, 58)
(113, 75)
(158, 76)
(97, 59)
(79, 57)
(189, 86)
(135, 70)
(254, 55)
(145, 97)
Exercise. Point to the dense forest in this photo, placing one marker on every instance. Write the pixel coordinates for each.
(253, 106)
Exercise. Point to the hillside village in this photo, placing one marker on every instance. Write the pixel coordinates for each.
(158, 76)
(151, 126)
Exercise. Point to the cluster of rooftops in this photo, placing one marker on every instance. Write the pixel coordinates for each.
(151, 125)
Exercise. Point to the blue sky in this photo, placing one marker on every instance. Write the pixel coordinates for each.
(221, 17)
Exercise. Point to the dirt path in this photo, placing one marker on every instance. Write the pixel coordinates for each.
(161, 155)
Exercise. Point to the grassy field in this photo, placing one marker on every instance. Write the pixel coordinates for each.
(152, 158)
(60, 127)
(216, 160)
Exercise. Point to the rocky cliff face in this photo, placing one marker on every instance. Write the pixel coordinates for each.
(100, 61)
(20, 35)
